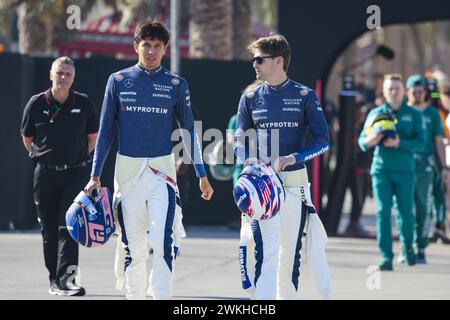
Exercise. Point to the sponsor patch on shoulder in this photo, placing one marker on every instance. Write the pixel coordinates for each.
(175, 81)
(118, 77)
(250, 94)
(304, 92)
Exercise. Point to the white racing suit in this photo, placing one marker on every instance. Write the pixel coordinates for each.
(278, 244)
(246, 263)
(149, 215)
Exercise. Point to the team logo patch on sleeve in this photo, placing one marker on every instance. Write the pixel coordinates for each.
(118, 77)
(319, 107)
(250, 94)
(175, 81)
(304, 92)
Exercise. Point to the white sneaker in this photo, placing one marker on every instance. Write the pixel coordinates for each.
(401, 257)
(71, 290)
(251, 291)
(53, 289)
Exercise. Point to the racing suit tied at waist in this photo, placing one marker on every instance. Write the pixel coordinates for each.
(296, 178)
(127, 172)
(129, 169)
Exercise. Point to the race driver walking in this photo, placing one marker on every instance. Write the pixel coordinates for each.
(282, 112)
(144, 100)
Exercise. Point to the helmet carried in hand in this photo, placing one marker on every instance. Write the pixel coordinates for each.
(384, 123)
(259, 192)
(90, 221)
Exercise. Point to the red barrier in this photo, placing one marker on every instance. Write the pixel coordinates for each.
(316, 163)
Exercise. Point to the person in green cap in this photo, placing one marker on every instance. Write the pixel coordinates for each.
(396, 136)
(425, 163)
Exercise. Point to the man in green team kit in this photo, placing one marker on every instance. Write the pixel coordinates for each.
(230, 138)
(425, 163)
(393, 168)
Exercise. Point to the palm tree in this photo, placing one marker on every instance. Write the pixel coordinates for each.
(133, 10)
(38, 20)
(265, 12)
(34, 28)
(241, 28)
(211, 29)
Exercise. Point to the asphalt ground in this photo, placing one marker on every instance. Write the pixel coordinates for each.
(208, 268)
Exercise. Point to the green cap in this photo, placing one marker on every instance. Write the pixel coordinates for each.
(416, 80)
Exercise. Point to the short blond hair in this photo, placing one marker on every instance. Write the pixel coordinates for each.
(393, 77)
(63, 60)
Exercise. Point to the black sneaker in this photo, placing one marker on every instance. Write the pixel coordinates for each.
(421, 256)
(385, 265)
(411, 258)
(71, 290)
(53, 288)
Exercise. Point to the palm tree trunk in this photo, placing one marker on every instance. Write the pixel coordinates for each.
(241, 28)
(210, 29)
(34, 33)
(417, 43)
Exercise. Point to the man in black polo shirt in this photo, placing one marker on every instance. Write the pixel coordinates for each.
(59, 129)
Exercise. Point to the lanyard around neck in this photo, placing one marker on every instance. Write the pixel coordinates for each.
(55, 105)
(55, 114)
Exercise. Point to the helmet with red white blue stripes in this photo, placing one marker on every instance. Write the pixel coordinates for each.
(259, 192)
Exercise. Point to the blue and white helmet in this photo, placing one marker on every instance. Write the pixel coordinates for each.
(259, 192)
(90, 222)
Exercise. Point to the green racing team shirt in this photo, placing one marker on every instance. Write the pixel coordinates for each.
(412, 139)
(232, 128)
(432, 129)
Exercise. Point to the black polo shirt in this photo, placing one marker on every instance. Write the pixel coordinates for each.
(59, 131)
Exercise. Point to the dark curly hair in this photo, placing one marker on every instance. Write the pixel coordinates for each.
(152, 29)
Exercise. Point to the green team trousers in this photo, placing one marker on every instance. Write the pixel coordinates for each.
(387, 187)
(439, 207)
(423, 197)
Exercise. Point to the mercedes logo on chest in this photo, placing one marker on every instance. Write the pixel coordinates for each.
(128, 83)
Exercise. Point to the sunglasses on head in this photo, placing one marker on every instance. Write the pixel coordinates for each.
(260, 59)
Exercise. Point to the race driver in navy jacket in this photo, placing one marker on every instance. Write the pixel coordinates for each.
(280, 113)
(144, 100)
